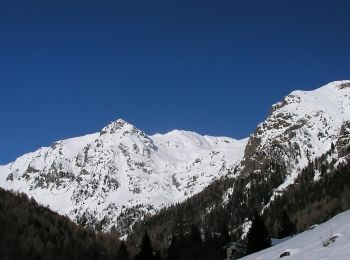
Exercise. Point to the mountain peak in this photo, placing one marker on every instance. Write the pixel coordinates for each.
(329, 95)
(120, 125)
(119, 173)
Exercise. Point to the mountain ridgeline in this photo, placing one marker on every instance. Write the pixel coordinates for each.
(294, 169)
(110, 179)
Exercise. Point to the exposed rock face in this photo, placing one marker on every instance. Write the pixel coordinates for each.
(343, 142)
(344, 85)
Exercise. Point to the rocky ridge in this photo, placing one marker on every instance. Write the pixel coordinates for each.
(112, 178)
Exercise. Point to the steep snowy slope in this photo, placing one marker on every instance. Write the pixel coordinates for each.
(114, 177)
(300, 128)
(329, 240)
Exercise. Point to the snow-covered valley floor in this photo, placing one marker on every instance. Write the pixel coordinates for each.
(311, 244)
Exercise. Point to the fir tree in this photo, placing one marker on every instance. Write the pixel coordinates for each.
(195, 243)
(224, 235)
(287, 227)
(258, 237)
(332, 147)
(195, 238)
(123, 253)
(157, 256)
(177, 242)
(172, 251)
(224, 239)
(146, 251)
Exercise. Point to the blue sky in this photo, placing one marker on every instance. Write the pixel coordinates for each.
(68, 68)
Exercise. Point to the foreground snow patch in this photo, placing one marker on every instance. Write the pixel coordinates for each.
(330, 240)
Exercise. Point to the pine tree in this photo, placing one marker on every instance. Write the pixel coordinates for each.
(146, 251)
(258, 237)
(224, 235)
(287, 227)
(173, 248)
(332, 147)
(224, 239)
(123, 253)
(195, 237)
(178, 241)
(195, 243)
(157, 256)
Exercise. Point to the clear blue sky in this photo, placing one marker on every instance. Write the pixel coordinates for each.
(68, 68)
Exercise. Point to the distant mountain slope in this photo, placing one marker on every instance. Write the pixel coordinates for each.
(329, 240)
(114, 177)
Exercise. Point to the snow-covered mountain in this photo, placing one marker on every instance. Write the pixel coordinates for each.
(300, 128)
(329, 240)
(114, 177)
(305, 126)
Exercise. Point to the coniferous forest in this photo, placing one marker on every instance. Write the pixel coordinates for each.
(30, 231)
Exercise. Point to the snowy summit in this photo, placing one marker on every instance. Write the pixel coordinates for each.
(116, 176)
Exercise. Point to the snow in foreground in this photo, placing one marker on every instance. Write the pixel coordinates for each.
(310, 244)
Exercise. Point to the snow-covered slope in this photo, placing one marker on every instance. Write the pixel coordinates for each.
(114, 177)
(300, 128)
(329, 240)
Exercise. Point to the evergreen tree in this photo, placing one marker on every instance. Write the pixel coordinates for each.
(210, 244)
(146, 251)
(224, 235)
(224, 239)
(195, 237)
(178, 241)
(287, 227)
(332, 147)
(157, 256)
(258, 237)
(173, 248)
(123, 253)
(208, 236)
(195, 243)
